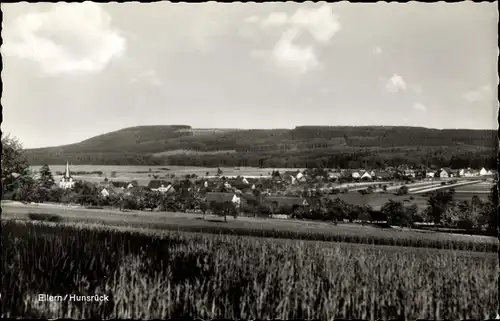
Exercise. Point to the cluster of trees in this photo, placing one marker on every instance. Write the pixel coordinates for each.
(443, 210)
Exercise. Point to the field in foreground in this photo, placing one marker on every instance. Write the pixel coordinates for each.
(172, 274)
(245, 226)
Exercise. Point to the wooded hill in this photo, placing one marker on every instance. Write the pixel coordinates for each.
(304, 146)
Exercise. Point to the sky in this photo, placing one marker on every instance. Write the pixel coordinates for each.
(74, 71)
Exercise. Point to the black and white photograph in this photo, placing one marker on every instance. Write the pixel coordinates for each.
(243, 161)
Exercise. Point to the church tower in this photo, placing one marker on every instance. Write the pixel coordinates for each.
(67, 180)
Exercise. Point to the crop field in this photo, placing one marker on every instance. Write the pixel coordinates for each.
(479, 188)
(262, 227)
(171, 274)
(142, 172)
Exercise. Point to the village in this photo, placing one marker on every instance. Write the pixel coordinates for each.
(287, 194)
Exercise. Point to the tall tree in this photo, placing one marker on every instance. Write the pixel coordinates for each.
(394, 212)
(437, 206)
(14, 163)
(46, 179)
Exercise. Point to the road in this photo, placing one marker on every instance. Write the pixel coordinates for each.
(421, 190)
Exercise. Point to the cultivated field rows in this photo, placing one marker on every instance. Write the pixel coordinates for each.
(176, 274)
(250, 226)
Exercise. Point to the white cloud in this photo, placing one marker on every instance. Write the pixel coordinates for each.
(478, 94)
(290, 55)
(377, 51)
(275, 19)
(321, 23)
(70, 37)
(420, 107)
(395, 84)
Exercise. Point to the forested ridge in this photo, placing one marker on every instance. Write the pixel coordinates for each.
(303, 146)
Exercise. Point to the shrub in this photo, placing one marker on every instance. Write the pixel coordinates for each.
(403, 190)
(45, 217)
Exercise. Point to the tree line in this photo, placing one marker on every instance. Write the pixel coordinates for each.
(349, 159)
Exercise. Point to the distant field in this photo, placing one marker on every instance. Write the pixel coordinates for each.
(192, 152)
(167, 169)
(482, 187)
(140, 173)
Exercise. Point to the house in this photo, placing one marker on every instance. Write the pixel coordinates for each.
(366, 176)
(355, 175)
(445, 172)
(169, 189)
(104, 192)
(245, 181)
(430, 174)
(110, 190)
(483, 172)
(461, 172)
(66, 181)
(161, 186)
(300, 177)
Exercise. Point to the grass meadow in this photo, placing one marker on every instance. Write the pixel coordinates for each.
(166, 274)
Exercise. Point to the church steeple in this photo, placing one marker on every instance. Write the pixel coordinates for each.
(67, 174)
